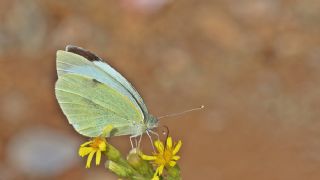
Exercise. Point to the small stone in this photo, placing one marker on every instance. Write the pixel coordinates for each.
(144, 6)
(42, 152)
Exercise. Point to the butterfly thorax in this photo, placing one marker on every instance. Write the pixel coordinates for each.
(151, 122)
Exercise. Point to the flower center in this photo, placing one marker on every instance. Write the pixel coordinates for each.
(164, 158)
(97, 143)
(167, 155)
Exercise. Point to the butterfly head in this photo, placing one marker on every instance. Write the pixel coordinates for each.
(151, 122)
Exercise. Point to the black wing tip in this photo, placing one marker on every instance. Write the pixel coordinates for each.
(82, 52)
(70, 46)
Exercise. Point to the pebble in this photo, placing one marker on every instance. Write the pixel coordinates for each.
(42, 152)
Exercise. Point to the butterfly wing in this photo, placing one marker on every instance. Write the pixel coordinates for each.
(111, 72)
(125, 83)
(90, 105)
(85, 65)
(71, 63)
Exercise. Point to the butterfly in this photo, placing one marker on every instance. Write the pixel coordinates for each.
(93, 95)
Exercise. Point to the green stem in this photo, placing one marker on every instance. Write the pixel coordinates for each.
(134, 167)
(123, 168)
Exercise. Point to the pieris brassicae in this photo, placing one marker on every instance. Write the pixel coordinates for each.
(93, 95)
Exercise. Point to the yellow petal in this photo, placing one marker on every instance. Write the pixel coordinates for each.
(103, 146)
(177, 148)
(160, 169)
(172, 163)
(98, 157)
(148, 158)
(89, 159)
(159, 146)
(156, 173)
(176, 158)
(155, 177)
(86, 143)
(169, 142)
(83, 151)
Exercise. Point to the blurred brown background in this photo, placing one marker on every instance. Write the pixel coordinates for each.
(255, 64)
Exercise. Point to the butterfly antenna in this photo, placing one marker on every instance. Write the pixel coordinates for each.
(180, 113)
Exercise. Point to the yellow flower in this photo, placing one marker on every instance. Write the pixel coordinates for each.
(166, 155)
(95, 146)
(155, 178)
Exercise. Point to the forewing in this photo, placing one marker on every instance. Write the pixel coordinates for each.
(115, 74)
(91, 105)
(71, 63)
(111, 71)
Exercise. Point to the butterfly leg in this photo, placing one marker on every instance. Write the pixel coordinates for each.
(139, 141)
(136, 141)
(131, 140)
(150, 140)
(154, 133)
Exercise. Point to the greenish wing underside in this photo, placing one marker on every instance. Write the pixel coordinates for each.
(91, 105)
(125, 83)
(70, 63)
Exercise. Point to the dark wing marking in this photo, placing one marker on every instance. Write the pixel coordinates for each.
(82, 52)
